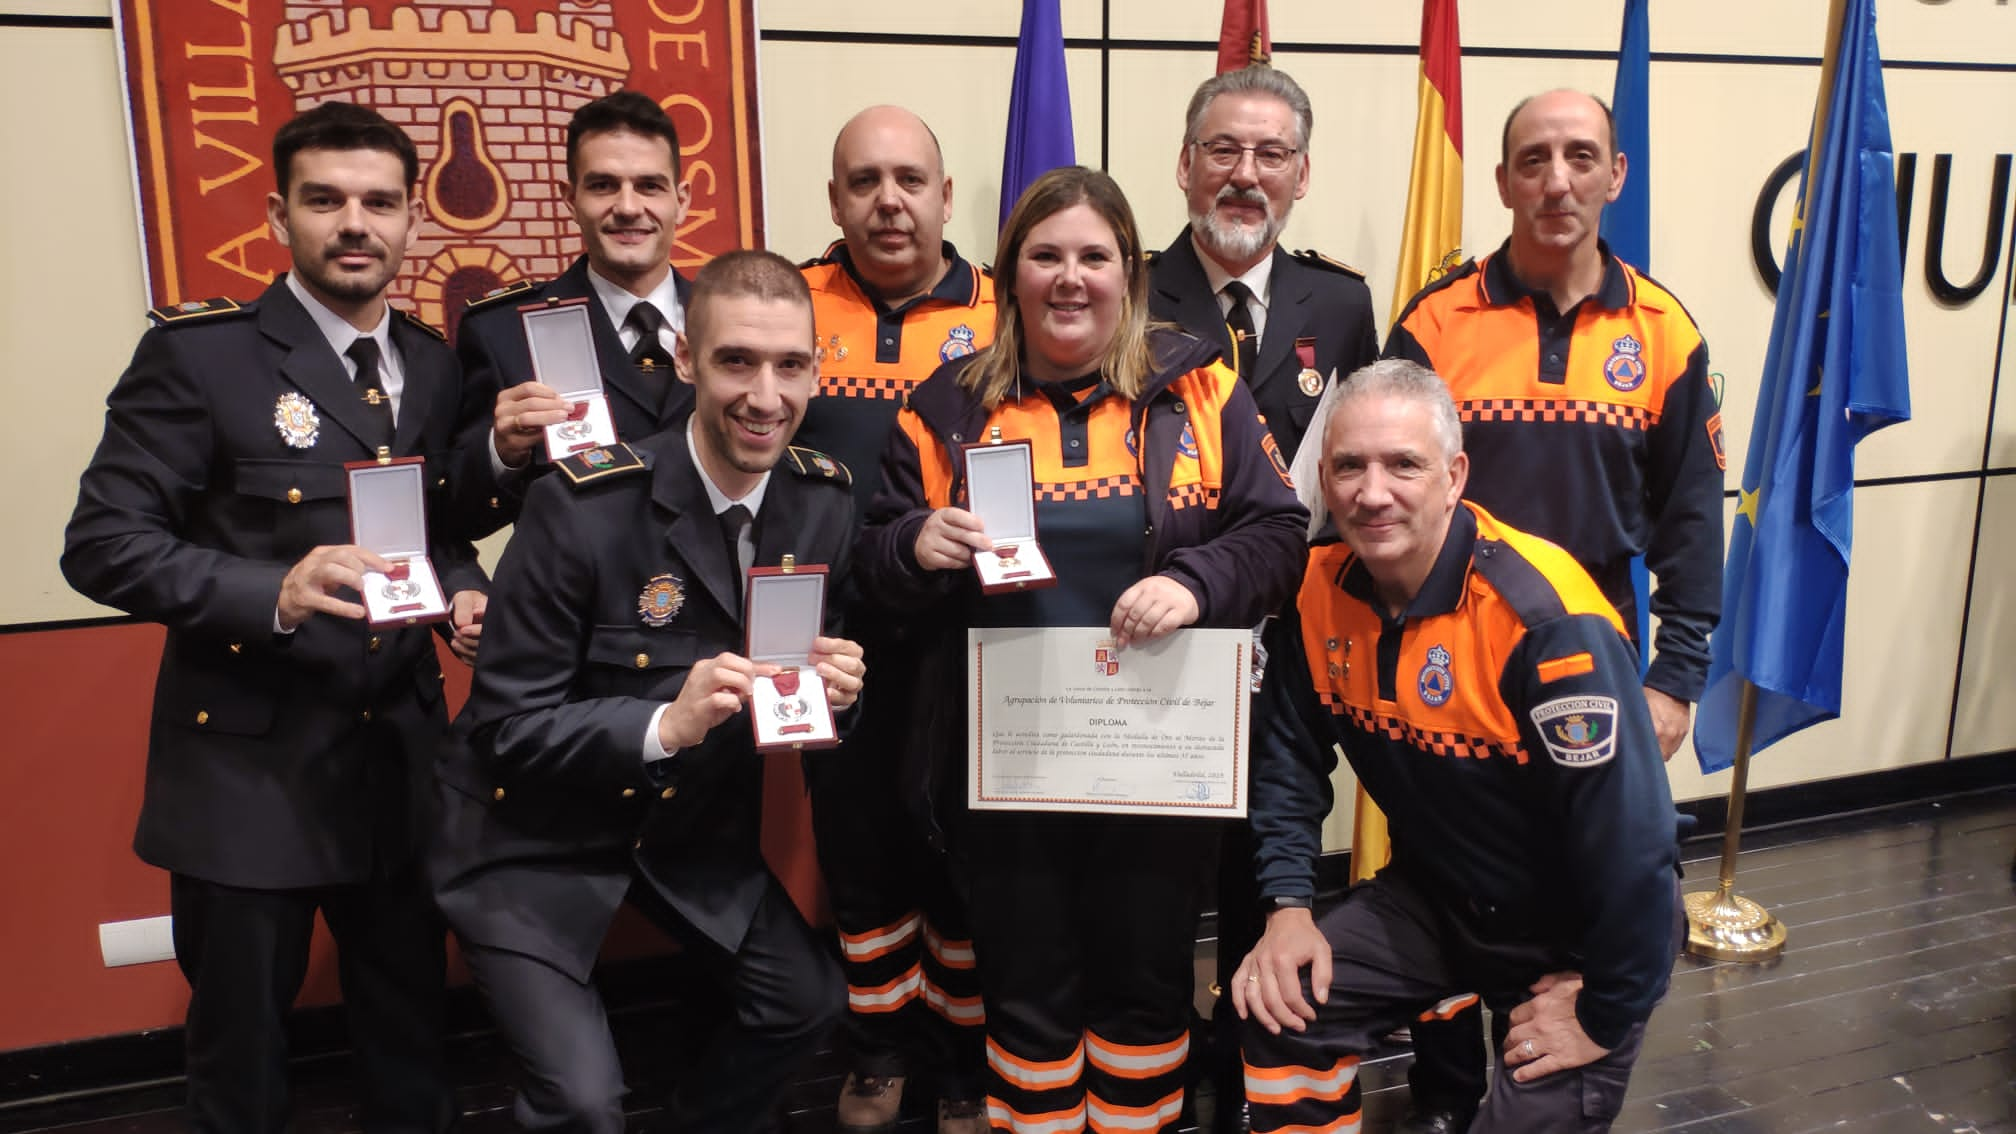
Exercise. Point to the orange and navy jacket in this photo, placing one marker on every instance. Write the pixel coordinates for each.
(1499, 723)
(871, 355)
(1596, 429)
(1220, 518)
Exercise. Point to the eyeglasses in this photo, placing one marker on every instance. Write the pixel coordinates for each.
(1221, 154)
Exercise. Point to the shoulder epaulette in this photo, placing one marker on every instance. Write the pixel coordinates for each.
(1523, 586)
(1316, 259)
(497, 293)
(1153, 257)
(596, 465)
(422, 324)
(171, 313)
(815, 464)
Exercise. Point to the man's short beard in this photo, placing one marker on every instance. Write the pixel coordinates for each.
(1237, 243)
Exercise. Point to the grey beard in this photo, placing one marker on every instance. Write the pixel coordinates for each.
(1234, 242)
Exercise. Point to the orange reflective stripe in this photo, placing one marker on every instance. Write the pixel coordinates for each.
(1279, 1086)
(1574, 665)
(1001, 1116)
(1109, 1116)
(951, 954)
(1033, 1075)
(880, 942)
(1132, 1061)
(1447, 1009)
(887, 997)
(966, 1011)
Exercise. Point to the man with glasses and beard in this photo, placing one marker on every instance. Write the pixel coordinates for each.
(1286, 322)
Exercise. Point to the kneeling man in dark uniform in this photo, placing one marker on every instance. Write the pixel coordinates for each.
(1484, 691)
(608, 753)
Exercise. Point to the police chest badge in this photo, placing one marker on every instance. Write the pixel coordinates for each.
(661, 600)
(1435, 683)
(1624, 370)
(958, 343)
(1579, 732)
(295, 417)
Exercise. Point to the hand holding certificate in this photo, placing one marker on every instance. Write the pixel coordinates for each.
(1064, 720)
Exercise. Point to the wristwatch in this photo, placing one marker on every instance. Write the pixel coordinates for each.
(1284, 902)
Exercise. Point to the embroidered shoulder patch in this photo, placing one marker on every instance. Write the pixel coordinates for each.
(585, 468)
(817, 465)
(1580, 732)
(194, 309)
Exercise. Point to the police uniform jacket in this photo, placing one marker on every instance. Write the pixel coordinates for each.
(491, 343)
(1594, 428)
(273, 760)
(1311, 298)
(1227, 526)
(550, 811)
(1499, 724)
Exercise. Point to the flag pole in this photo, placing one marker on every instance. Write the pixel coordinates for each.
(1721, 924)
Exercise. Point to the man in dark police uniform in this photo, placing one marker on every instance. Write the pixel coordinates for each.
(609, 753)
(1285, 322)
(1481, 685)
(291, 743)
(624, 189)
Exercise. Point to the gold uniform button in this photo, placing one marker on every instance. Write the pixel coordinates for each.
(237, 647)
(493, 501)
(498, 794)
(373, 644)
(643, 660)
(668, 793)
(293, 496)
(202, 717)
(442, 483)
(628, 792)
(638, 845)
(367, 715)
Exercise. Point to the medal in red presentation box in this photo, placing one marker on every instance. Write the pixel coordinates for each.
(562, 342)
(388, 515)
(1001, 491)
(785, 608)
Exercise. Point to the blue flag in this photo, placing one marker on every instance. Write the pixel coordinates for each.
(1834, 373)
(1627, 221)
(1039, 105)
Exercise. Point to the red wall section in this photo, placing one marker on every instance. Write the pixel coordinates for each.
(75, 703)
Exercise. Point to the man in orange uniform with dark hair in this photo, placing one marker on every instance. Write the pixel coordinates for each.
(894, 302)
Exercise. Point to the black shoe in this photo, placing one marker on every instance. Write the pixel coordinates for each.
(1435, 1121)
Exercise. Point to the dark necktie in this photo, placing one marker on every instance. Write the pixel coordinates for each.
(371, 388)
(1245, 340)
(734, 521)
(649, 352)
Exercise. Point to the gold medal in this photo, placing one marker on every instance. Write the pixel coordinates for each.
(1309, 382)
(295, 417)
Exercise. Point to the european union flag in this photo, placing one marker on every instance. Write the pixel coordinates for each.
(1834, 373)
(1039, 104)
(1627, 221)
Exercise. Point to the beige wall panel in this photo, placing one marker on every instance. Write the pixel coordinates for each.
(1986, 721)
(101, 9)
(800, 120)
(1947, 30)
(72, 302)
(1898, 686)
(921, 17)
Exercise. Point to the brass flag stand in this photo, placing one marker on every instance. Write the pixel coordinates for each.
(1721, 924)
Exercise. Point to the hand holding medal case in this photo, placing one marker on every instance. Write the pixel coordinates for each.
(562, 341)
(1001, 491)
(388, 516)
(786, 608)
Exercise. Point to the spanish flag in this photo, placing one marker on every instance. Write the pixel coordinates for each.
(1243, 39)
(1431, 242)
